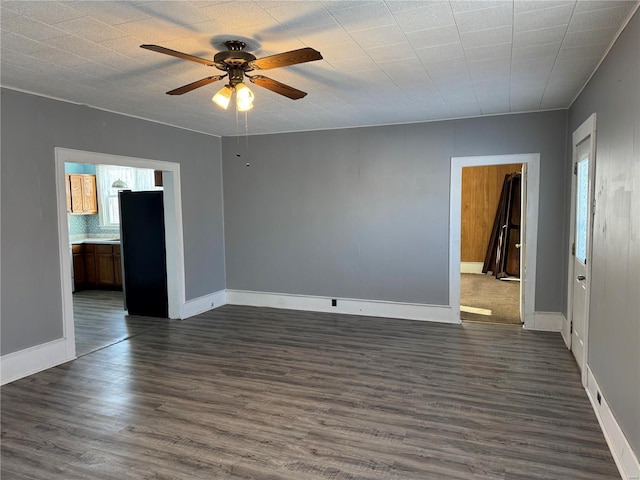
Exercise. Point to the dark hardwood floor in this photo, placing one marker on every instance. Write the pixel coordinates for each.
(254, 393)
(100, 320)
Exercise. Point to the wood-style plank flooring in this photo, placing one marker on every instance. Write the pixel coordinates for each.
(252, 393)
(100, 320)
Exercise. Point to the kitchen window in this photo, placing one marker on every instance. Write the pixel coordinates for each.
(136, 179)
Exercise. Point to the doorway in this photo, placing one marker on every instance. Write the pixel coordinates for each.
(530, 197)
(490, 243)
(576, 329)
(173, 230)
(100, 314)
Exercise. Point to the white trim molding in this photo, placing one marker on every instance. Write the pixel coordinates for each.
(203, 304)
(623, 454)
(370, 308)
(23, 363)
(528, 276)
(172, 197)
(471, 267)
(546, 322)
(566, 332)
(586, 130)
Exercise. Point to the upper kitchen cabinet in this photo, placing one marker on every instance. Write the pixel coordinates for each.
(81, 194)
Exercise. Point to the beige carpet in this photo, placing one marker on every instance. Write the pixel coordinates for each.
(490, 300)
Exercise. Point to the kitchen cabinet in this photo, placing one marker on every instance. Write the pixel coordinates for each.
(90, 264)
(117, 265)
(97, 265)
(79, 276)
(82, 195)
(105, 271)
(67, 183)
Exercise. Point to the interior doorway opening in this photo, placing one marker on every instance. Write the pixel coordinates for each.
(490, 243)
(173, 231)
(529, 234)
(101, 315)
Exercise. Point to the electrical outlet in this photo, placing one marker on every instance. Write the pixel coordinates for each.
(334, 302)
(599, 397)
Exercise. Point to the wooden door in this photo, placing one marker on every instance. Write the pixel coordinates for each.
(90, 264)
(89, 196)
(78, 266)
(117, 266)
(67, 184)
(75, 186)
(104, 266)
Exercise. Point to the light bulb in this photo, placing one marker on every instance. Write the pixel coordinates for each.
(243, 106)
(243, 94)
(244, 98)
(223, 97)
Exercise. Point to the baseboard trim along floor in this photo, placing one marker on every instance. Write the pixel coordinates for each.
(623, 454)
(23, 363)
(199, 305)
(370, 308)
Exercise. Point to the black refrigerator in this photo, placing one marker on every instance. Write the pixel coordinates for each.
(144, 258)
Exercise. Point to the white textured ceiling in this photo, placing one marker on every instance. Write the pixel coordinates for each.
(384, 62)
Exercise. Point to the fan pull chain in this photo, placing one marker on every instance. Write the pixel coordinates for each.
(246, 135)
(237, 128)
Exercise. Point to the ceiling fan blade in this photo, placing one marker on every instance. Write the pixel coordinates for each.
(175, 53)
(194, 85)
(277, 87)
(285, 59)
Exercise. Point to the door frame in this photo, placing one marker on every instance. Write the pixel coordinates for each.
(528, 270)
(586, 130)
(173, 229)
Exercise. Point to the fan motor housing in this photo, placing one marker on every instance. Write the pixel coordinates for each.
(226, 60)
(234, 57)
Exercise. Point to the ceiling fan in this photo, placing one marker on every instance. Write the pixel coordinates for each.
(236, 62)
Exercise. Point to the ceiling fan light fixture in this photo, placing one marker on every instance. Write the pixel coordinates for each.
(243, 94)
(244, 106)
(223, 97)
(244, 97)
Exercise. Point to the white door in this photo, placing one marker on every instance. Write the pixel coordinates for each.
(580, 249)
(523, 236)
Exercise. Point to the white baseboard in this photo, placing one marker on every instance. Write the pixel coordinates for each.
(23, 363)
(371, 308)
(566, 332)
(546, 321)
(203, 304)
(624, 456)
(471, 267)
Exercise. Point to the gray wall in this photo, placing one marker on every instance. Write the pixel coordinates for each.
(31, 127)
(614, 321)
(364, 213)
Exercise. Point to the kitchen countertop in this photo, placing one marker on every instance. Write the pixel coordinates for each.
(105, 241)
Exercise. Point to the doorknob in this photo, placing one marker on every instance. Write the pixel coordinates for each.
(581, 278)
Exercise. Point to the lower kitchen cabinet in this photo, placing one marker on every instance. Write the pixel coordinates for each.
(117, 265)
(97, 265)
(79, 268)
(90, 264)
(105, 270)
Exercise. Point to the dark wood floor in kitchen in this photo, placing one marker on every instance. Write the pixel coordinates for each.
(254, 393)
(100, 320)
